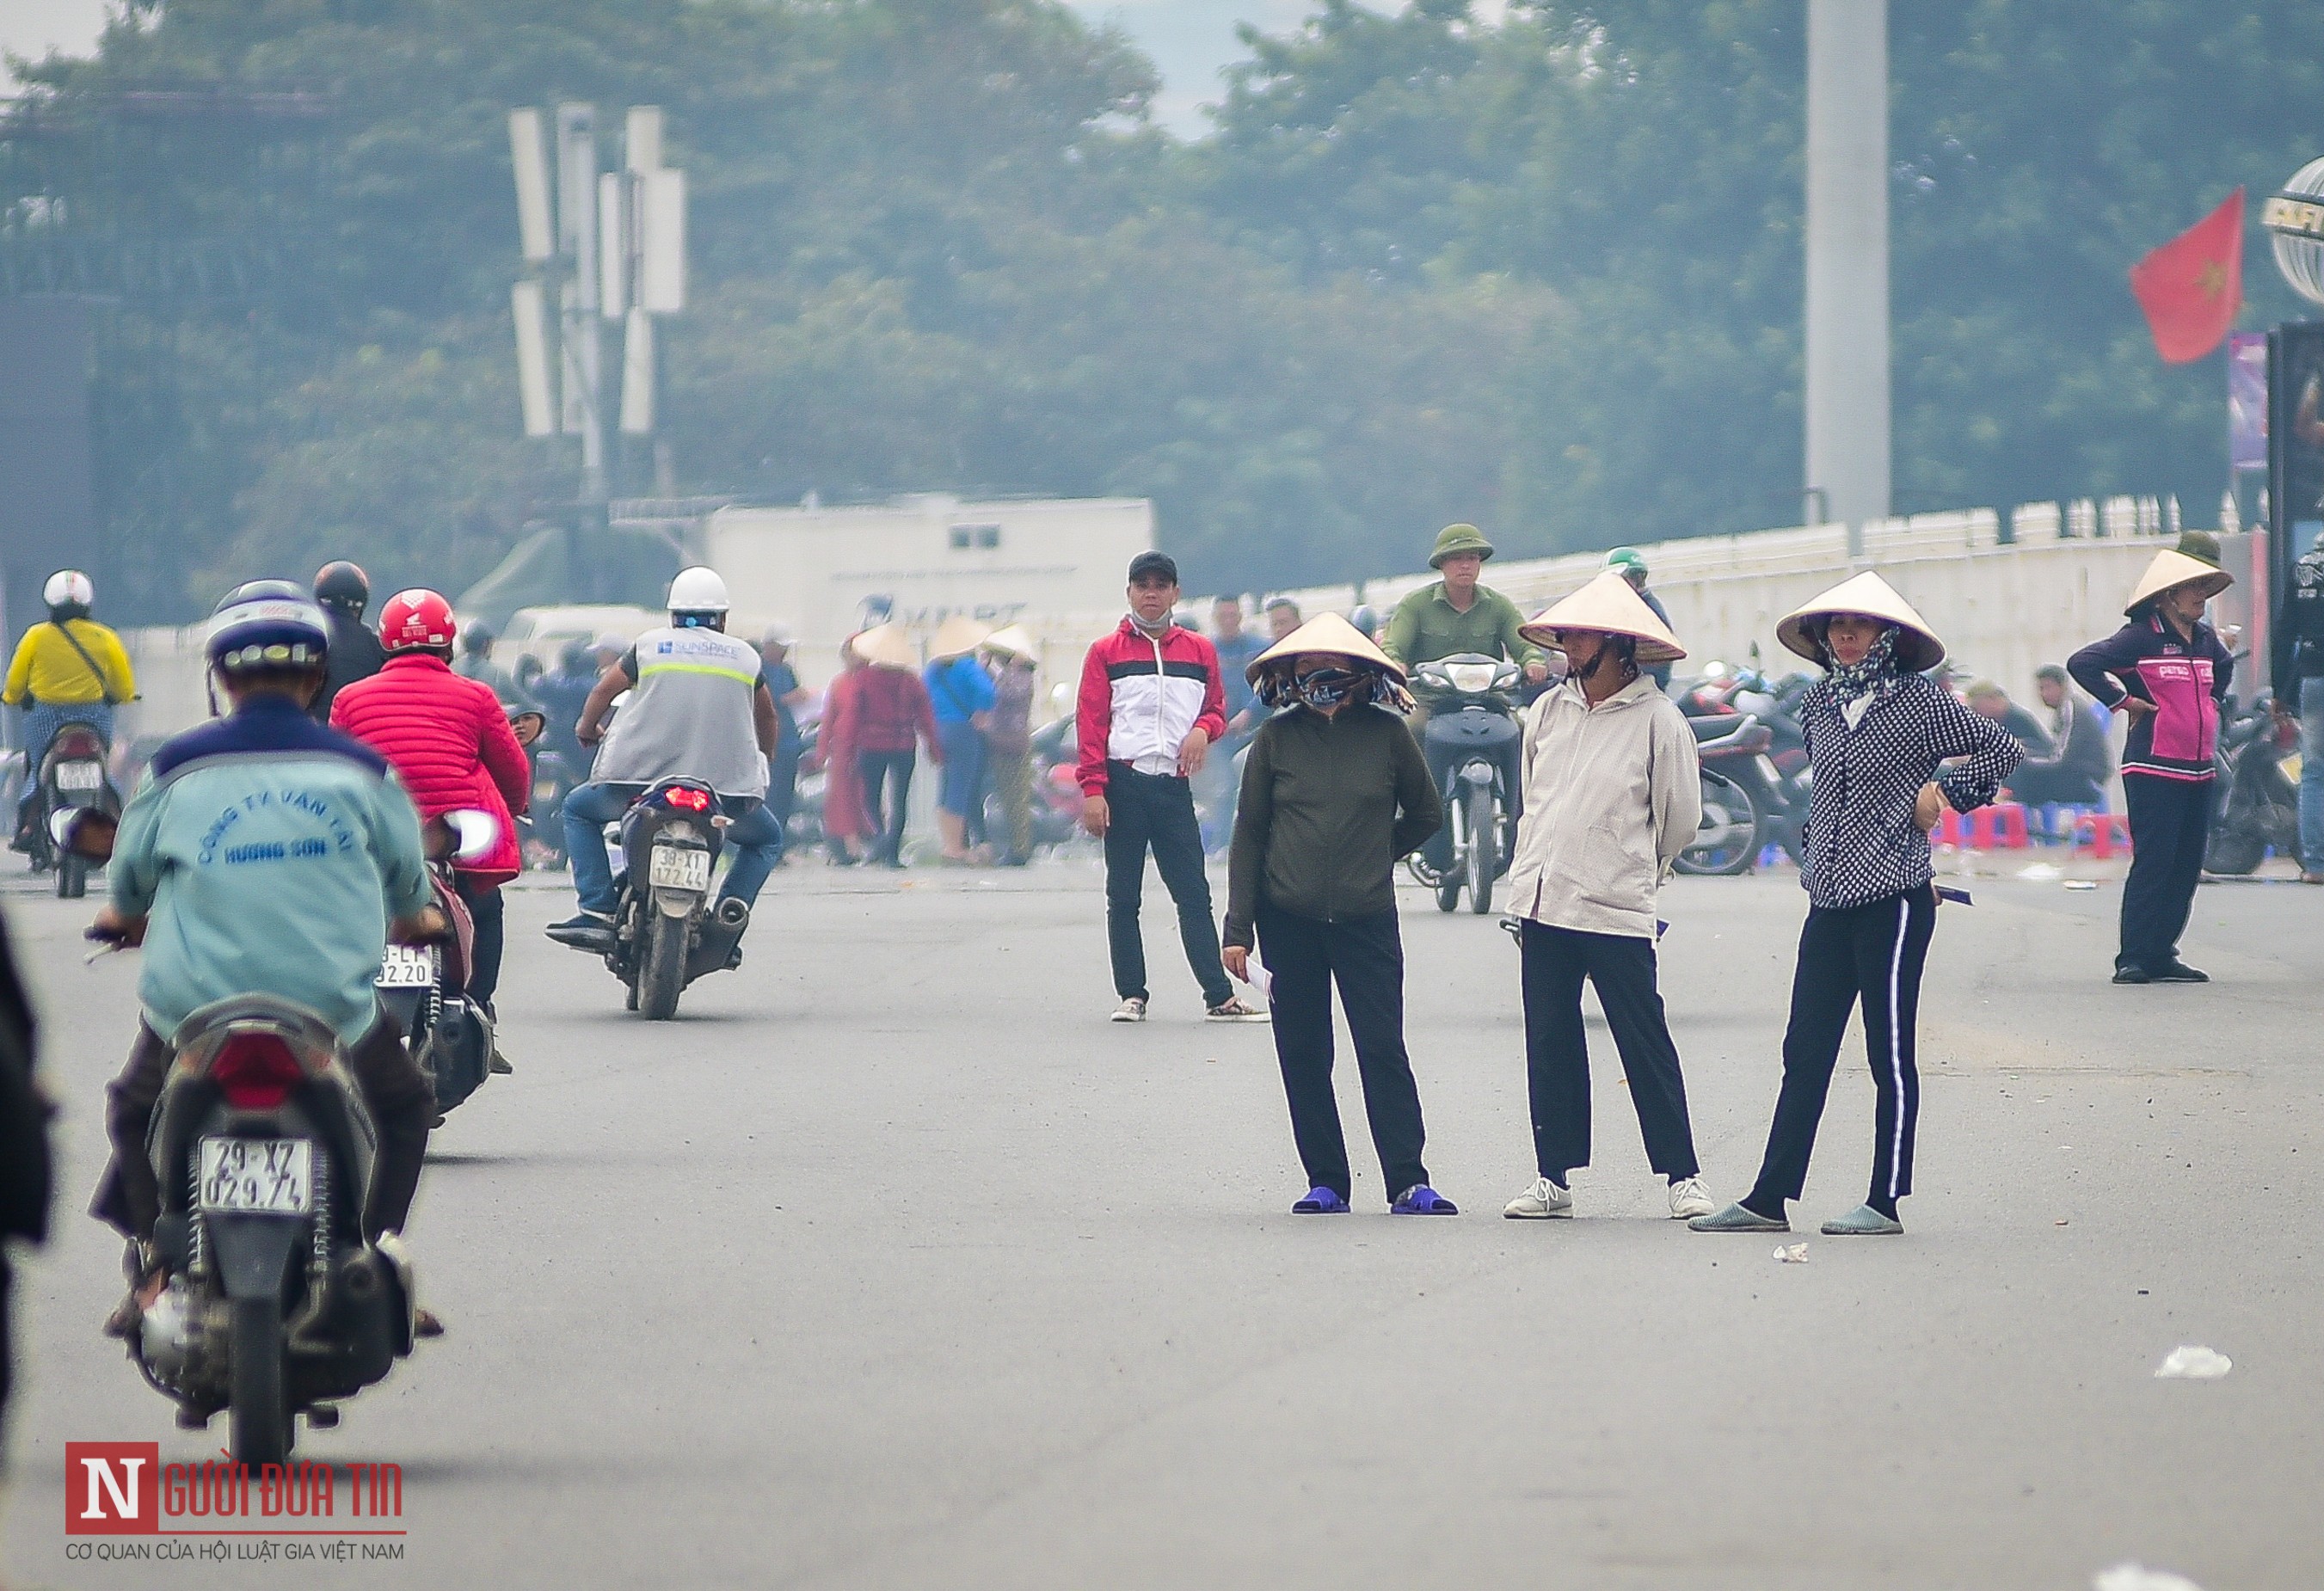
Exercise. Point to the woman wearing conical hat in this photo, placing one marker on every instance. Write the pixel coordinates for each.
(1879, 734)
(1334, 794)
(2168, 672)
(1611, 797)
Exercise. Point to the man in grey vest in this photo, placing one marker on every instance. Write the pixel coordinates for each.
(699, 708)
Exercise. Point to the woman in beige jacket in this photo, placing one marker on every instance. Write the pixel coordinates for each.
(1611, 797)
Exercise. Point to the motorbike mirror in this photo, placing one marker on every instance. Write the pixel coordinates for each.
(473, 833)
(528, 726)
(84, 831)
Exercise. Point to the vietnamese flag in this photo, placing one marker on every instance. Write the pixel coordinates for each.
(2191, 287)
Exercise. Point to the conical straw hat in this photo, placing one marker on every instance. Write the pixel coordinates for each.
(958, 635)
(1325, 632)
(1611, 605)
(1016, 640)
(2171, 568)
(887, 646)
(1917, 648)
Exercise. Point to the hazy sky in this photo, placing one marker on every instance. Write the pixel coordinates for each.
(1190, 39)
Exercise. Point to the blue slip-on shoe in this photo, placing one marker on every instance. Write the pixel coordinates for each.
(1735, 1217)
(1423, 1200)
(1321, 1201)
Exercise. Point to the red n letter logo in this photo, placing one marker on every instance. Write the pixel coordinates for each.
(113, 1488)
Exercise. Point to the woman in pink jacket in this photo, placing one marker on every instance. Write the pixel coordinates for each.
(449, 739)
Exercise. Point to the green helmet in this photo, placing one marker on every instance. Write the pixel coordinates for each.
(1629, 560)
(1454, 539)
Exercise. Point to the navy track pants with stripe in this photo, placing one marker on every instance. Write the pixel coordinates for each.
(1870, 955)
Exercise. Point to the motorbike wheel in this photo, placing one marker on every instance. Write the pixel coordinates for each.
(1482, 833)
(261, 1413)
(2233, 850)
(662, 974)
(1729, 830)
(72, 878)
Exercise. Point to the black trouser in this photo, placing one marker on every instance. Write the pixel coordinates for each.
(485, 910)
(1557, 1052)
(1366, 957)
(1871, 953)
(1441, 756)
(402, 1100)
(2170, 823)
(1156, 809)
(895, 769)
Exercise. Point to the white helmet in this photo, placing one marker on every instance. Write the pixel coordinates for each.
(697, 590)
(68, 588)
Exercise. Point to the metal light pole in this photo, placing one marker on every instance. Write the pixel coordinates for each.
(1846, 397)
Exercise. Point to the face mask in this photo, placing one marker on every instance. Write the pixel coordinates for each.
(1325, 687)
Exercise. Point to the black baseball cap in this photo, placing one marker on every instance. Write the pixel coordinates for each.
(1154, 565)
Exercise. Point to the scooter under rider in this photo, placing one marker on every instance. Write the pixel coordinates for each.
(699, 708)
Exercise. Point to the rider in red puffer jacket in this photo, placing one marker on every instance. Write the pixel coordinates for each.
(449, 742)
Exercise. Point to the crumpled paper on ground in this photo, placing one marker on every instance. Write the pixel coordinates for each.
(2130, 1577)
(1792, 1254)
(2189, 1362)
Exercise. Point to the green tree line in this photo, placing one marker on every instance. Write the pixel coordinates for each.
(1543, 273)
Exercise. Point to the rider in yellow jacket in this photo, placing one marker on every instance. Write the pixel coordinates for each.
(69, 669)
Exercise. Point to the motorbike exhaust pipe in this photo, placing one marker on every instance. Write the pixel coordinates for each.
(721, 933)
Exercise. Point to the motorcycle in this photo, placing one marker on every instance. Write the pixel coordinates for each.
(666, 930)
(552, 781)
(1778, 778)
(2257, 761)
(425, 987)
(72, 777)
(1470, 712)
(1732, 829)
(276, 1305)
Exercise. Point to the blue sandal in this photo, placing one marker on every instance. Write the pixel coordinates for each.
(1423, 1200)
(1321, 1201)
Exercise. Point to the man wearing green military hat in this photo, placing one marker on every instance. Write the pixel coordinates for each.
(1452, 615)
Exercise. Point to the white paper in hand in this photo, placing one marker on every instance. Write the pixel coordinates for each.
(1261, 981)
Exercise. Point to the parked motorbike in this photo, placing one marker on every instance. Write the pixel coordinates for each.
(1732, 829)
(1778, 780)
(2258, 792)
(666, 933)
(72, 777)
(1471, 712)
(275, 1304)
(553, 779)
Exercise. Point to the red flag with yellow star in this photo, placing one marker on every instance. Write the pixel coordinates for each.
(2191, 287)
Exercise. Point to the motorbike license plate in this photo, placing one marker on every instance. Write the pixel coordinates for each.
(407, 966)
(672, 867)
(257, 1176)
(80, 776)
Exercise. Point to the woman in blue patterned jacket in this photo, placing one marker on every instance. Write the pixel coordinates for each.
(1879, 733)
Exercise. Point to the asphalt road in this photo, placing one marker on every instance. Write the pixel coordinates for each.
(892, 1263)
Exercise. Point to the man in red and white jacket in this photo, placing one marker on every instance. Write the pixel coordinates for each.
(1151, 705)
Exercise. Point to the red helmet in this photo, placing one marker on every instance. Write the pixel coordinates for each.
(415, 618)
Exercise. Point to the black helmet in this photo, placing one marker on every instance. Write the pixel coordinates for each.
(477, 639)
(344, 585)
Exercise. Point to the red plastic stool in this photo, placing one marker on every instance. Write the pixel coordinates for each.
(1947, 831)
(2102, 832)
(2001, 827)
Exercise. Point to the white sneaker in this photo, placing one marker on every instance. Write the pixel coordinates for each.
(1132, 1009)
(1689, 1200)
(1539, 1202)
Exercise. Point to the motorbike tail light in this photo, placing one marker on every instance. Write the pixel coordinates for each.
(77, 743)
(692, 800)
(255, 1071)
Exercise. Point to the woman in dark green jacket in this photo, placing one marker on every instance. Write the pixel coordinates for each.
(1334, 794)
